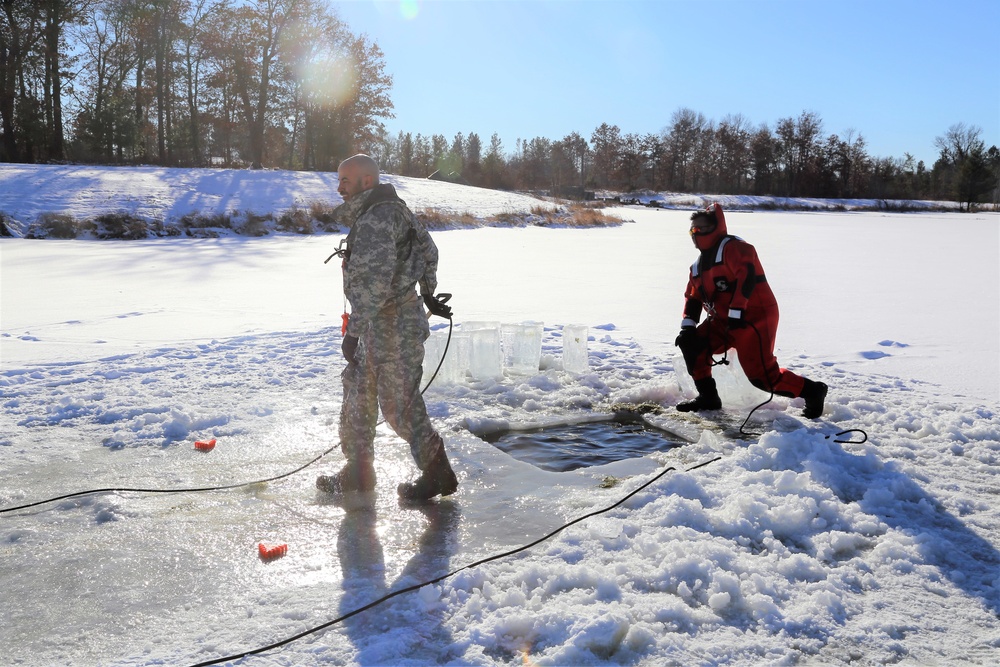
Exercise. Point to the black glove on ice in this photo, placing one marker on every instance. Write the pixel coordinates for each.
(436, 306)
(349, 347)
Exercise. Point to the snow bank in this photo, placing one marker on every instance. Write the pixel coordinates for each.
(167, 194)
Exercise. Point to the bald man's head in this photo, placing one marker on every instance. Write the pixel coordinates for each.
(357, 174)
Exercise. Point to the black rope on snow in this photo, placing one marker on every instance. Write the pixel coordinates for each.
(223, 487)
(864, 437)
(760, 346)
(724, 361)
(123, 489)
(436, 580)
(409, 589)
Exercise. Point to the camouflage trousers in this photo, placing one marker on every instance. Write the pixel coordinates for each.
(386, 374)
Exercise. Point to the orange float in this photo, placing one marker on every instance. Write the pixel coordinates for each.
(271, 551)
(204, 445)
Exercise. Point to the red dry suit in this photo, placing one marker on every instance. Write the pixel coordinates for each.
(728, 283)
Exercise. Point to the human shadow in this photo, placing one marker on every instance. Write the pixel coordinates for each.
(882, 490)
(416, 623)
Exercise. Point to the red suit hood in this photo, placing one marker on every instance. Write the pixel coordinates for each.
(707, 241)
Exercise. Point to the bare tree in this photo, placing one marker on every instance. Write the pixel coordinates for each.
(764, 158)
(257, 30)
(682, 139)
(733, 141)
(963, 165)
(58, 14)
(658, 167)
(959, 141)
(100, 37)
(192, 35)
(632, 161)
(799, 151)
(21, 28)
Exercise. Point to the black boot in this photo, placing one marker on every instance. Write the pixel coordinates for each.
(815, 395)
(707, 398)
(437, 480)
(356, 476)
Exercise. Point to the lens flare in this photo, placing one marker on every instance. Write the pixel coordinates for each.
(330, 81)
(405, 10)
(408, 9)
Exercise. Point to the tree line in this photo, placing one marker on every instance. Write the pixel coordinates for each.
(286, 84)
(187, 83)
(795, 158)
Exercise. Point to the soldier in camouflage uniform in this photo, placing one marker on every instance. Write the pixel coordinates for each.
(388, 253)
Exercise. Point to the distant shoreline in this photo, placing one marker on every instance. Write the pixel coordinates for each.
(145, 202)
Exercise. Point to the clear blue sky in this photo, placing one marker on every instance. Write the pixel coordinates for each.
(900, 72)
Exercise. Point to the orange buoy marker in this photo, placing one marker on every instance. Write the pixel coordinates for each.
(204, 445)
(271, 551)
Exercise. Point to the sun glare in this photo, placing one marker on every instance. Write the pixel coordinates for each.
(408, 9)
(330, 80)
(398, 9)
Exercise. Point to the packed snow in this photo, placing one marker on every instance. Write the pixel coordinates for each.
(869, 536)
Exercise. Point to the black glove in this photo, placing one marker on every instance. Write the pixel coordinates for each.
(349, 347)
(686, 337)
(437, 306)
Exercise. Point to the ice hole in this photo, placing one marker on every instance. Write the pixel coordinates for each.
(558, 448)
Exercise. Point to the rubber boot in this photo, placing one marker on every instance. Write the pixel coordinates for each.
(707, 398)
(437, 480)
(815, 395)
(356, 476)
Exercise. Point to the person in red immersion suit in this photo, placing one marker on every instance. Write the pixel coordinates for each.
(728, 283)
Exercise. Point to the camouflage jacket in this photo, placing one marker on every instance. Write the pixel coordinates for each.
(388, 252)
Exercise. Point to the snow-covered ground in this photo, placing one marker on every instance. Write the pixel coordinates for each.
(796, 546)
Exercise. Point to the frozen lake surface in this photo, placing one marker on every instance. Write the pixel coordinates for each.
(794, 546)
